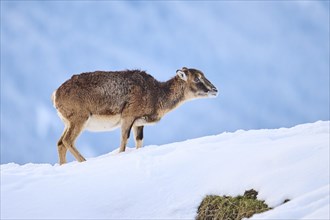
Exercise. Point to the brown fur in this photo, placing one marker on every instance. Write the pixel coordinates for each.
(133, 95)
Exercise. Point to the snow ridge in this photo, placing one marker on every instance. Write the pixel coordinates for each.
(169, 181)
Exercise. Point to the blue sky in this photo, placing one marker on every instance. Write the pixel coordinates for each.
(269, 59)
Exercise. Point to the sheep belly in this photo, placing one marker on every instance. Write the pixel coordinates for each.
(145, 121)
(102, 123)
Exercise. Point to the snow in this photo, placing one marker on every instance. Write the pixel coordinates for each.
(169, 181)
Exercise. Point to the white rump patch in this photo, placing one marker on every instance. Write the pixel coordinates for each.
(54, 98)
(102, 123)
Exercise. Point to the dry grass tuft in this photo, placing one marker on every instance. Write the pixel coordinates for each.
(231, 208)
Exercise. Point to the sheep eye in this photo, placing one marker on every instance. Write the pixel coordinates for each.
(197, 80)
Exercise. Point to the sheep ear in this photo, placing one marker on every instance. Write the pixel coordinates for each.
(182, 75)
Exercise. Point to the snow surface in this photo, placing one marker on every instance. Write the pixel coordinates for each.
(169, 181)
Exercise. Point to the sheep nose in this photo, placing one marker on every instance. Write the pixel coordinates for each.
(214, 89)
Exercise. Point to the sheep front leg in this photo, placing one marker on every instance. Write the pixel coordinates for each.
(138, 135)
(126, 126)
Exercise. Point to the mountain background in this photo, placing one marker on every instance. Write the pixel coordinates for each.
(269, 60)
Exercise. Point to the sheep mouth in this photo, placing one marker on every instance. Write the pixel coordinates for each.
(212, 93)
(208, 94)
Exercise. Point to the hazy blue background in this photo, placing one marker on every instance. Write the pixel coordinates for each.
(269, 59)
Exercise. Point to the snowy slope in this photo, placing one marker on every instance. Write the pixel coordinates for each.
(169, 181)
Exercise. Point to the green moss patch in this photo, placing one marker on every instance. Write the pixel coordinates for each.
(231, 208)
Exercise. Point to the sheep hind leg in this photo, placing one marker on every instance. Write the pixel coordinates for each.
(62, 149)
(69, 137)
